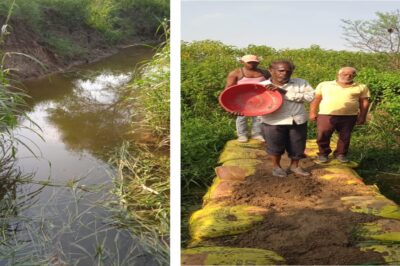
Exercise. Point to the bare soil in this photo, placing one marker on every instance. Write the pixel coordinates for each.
(24, 39)
(306, 223)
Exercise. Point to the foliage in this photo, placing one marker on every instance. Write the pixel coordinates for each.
(206, 127)
(202, 139)
(65, 47)
(144, 16)
(72, 12)
(143, 170)
(12, 103)
(153, 85)
(116, 20)
(103, 16)
(26, 10)
(142, 186)
(377, 35)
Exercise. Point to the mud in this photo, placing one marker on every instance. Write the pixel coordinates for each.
(306, 223)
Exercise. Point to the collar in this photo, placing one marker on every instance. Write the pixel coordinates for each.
(351, 85)
(290, 81)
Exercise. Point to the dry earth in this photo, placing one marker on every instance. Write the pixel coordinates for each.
(23, 39)
(306, 221)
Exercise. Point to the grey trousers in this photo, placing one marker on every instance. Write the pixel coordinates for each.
(241, 125)
(290, 138)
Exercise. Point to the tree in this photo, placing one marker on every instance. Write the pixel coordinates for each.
(381, 35)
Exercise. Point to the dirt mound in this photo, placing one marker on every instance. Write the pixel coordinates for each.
(307, 222)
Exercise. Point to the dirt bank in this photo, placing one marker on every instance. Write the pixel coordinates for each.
(306, 221)
(83, 45)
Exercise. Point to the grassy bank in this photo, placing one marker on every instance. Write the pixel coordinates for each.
(206, 126)
(63, 33)
(143, 165)
(116, 19)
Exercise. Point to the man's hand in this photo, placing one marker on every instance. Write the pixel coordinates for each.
(313, 117)
(237, 113)
(271, 87)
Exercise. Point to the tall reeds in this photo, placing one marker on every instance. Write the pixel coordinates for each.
(142, 182)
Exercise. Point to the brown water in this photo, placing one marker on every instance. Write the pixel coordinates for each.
(66, 213)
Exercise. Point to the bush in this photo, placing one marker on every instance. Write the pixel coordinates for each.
(116, 20)
(202, 139)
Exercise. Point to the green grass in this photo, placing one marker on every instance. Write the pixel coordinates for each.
(116, 20)
(66, 47)
(142, 180)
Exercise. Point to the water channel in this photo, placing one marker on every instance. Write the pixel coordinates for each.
(64, 214)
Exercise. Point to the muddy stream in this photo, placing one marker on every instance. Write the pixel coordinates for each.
(65, 213)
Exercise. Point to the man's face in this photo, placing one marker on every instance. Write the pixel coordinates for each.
(346, 76)
(251, 65)
(281, 72)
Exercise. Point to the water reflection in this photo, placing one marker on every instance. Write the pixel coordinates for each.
(101, 89)
(87, 118)
(67, 222)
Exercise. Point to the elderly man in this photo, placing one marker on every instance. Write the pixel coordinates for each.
(249, 73)
(286, 128)
(342, 104)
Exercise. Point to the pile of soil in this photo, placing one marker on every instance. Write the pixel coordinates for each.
(306, 223)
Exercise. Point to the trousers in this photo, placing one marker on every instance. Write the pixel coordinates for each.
(326, 125)
(241, 125)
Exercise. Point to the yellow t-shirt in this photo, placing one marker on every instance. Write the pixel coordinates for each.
(337, 100)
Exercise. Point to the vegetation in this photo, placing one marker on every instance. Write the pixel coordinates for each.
(57, 22)
(143, 172)
(206, 126)
(143, 169)
(380, 35)
(12, 105)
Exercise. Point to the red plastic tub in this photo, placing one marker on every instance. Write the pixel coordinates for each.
(250, 99)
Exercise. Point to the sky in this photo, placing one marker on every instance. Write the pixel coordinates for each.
(278, 24)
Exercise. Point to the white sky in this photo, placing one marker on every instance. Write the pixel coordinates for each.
(278, 24)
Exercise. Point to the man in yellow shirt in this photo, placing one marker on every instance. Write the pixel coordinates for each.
(342, 104)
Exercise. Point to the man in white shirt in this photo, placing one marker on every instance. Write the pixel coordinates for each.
(286, 128)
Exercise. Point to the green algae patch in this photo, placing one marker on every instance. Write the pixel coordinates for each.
(230, 256)
(248, 165)
(214, 220)
(234, 153)
(252, 143)
(211, 189)
(390, 253)
(348, 175)
(385, 230)
(334, 162)
(312, 151)
(376, 205)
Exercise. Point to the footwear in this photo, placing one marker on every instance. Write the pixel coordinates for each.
(279, 172)
(258, 137)
(299, 171)
(322, 158)
(342, 158)
(242, 138)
